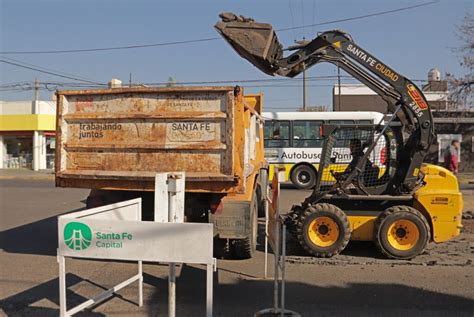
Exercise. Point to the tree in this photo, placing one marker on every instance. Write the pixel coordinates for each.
(461, 88)
(171, 82)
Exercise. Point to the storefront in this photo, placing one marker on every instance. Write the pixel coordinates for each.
(27, 134)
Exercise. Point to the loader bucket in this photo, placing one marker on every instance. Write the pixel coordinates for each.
(256, 42)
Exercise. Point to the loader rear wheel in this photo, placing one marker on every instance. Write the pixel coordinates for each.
(401, 232)
(245, 248)
(323, 230)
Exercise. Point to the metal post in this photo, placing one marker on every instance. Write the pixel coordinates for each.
(140, 284)
(172, 290)
(276, 253)
(283, 268)
(209, 289)
(266, 235)
(172, 266)
(62, 286)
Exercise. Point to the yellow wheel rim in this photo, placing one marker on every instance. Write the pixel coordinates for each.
(323, 231)
(403, 234)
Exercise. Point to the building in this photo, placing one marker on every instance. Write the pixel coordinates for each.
(450, 122)
(27, 134)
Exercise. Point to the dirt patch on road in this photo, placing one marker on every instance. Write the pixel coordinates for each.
(457, 252)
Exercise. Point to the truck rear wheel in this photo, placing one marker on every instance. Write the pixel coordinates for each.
(303, 176)
(401, 232)
(323, 230)
(245, 248)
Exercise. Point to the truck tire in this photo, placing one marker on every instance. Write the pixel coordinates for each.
(323, 230)
(245, 248)
(401, 232)
(303, 176)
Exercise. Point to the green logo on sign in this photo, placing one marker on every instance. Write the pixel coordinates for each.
(77, 236)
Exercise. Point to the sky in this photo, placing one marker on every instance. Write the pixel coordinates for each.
(411, 42)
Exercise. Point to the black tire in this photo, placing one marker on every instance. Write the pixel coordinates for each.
(303, 176)
(306, 232)
(415, 242)
(245, 248)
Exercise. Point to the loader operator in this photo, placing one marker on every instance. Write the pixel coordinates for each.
(357, 152)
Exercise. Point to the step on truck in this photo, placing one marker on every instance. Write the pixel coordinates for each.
(115, 140)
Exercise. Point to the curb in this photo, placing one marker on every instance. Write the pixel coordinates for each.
(45, 177)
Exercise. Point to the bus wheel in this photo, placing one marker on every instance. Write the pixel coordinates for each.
(245, 248)
(303, 176)
(401, 232)
(323, 230)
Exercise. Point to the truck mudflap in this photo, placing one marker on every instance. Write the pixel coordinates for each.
(232, 221)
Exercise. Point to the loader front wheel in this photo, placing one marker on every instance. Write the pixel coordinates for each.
(401, 232)
(323, 230)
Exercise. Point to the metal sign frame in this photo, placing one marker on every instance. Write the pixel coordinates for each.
(171, 242)
(109, 211)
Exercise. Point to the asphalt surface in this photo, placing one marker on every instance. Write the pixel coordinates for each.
(357, 282)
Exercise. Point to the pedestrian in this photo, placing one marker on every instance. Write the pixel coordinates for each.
(451, 156)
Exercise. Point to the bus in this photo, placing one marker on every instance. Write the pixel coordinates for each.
(293, 142)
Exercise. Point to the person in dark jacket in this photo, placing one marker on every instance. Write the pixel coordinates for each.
(357, 153)
(451, 157)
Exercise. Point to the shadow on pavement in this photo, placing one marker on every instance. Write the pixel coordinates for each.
(39, 237)
(25, 303)
(246, 297)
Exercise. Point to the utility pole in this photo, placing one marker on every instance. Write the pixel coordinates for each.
(130, 81)
(339, 87)
(300, 44)
(304, 87)
(37, 86)
(37, 144)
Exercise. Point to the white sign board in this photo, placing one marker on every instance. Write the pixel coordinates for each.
(116, 232)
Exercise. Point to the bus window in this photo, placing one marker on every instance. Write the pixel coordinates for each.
(277, 134)
(340, 121)
(364, 122)
(306, 134)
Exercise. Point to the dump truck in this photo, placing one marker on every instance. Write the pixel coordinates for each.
(115, 140)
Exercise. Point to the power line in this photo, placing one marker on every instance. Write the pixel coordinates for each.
(363, 16)
(302, 16)
(99, 49)
(292, 20)
(47, 72)
(47, 69)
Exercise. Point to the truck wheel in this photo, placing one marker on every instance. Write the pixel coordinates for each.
(323, 230)
(303, 176)
(245, 248)
(401, 232)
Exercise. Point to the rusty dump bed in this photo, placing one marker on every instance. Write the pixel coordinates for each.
(119, 138)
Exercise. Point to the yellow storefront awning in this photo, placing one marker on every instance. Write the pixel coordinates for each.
(28, 122)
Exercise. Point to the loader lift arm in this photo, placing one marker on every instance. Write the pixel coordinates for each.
(257, 42)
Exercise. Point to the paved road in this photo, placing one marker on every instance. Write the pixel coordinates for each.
(356, 282)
